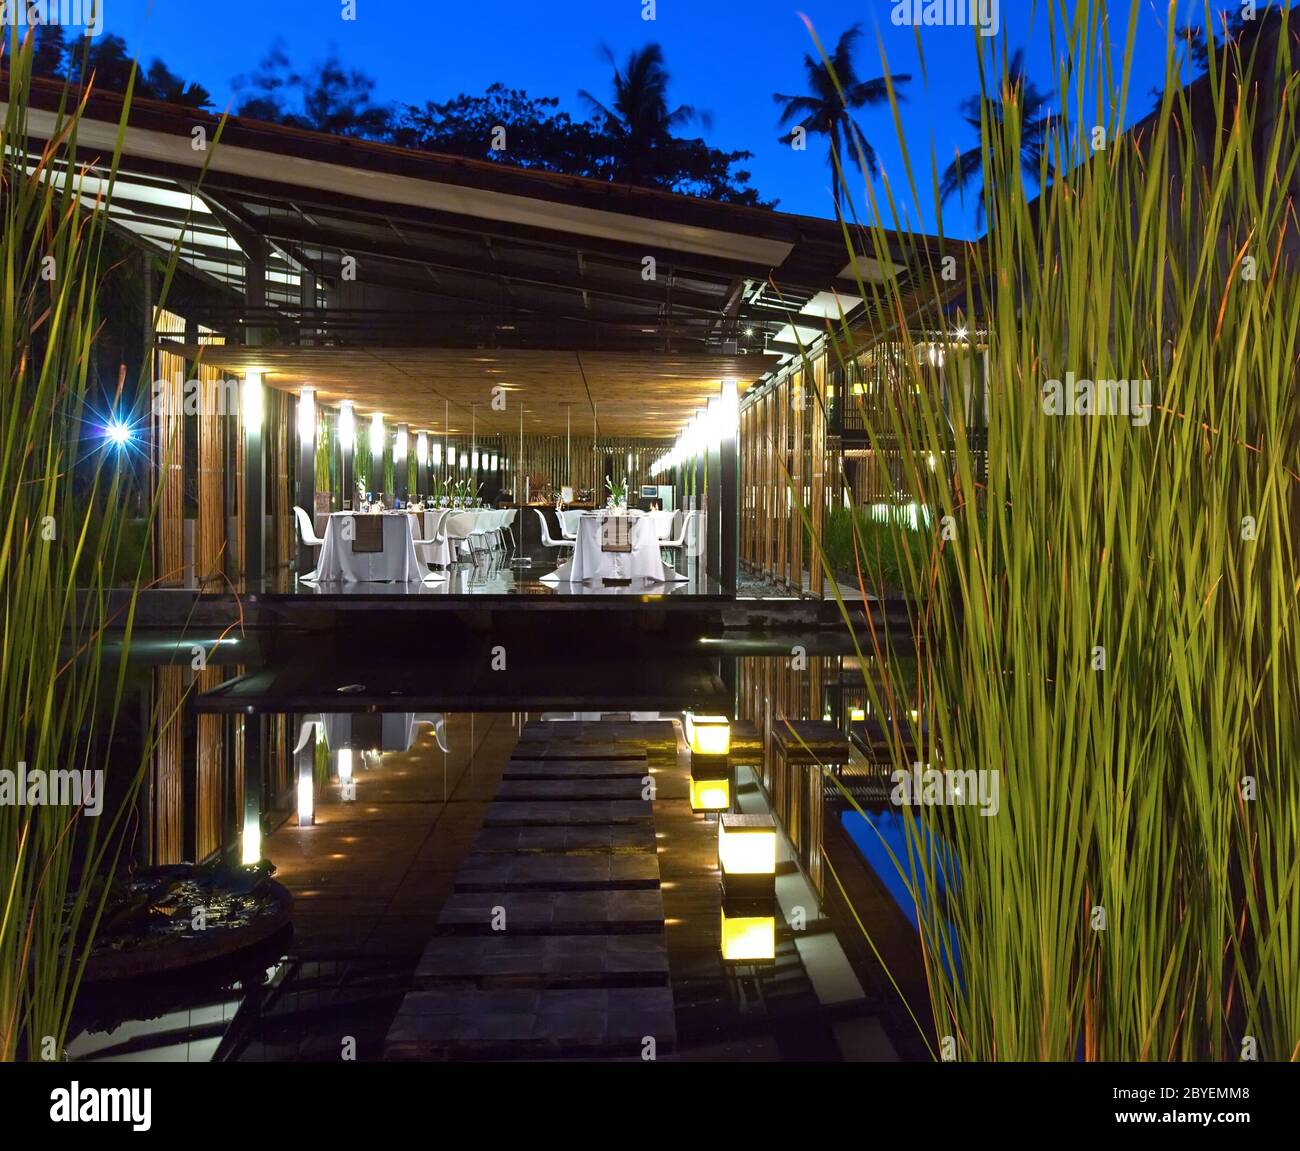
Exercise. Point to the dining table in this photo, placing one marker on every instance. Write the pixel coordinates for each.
(372, 547)
(615, 548)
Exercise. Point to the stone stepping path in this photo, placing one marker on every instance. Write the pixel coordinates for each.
(551, 944)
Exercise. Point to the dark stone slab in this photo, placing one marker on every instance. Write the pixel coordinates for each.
(575, 769)
(523, 813)
(810, 741)
(544, 960)
(506, 1024)
(552, 912)
(541, 871)
(615, 839)
(551, 790)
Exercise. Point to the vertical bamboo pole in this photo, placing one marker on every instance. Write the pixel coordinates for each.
(817, 513)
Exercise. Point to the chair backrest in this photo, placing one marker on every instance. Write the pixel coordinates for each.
(435, 522)
(459, 525)
(306, 530)
(663, 524)
(547, 541)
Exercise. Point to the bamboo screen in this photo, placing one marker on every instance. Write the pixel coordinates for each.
(167, 769)
(209, 772)
(167, 399)
(215, 399)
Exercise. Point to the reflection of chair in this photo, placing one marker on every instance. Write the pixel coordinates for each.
(458, 528)
(679, 542)
(547, 542)
(436, 720)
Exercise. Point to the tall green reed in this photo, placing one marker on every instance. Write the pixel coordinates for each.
(64, 519)
(1108, 617)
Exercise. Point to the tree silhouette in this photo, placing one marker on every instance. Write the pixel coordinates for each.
(827, 110)
(1017, 96)
(639, 125)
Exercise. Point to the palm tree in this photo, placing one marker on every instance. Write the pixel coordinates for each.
(1018, 95)
(835, 93)
(639, 123)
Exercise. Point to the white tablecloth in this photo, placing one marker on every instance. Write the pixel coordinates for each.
(397, 563)
(590, 563)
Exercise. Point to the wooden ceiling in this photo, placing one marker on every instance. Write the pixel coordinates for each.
(632, 394)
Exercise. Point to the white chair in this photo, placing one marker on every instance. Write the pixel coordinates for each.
(434, 540)
(547, 542)
(664, 522)
(569, 521)
(460, 528)
(307, 531)
(679, 542)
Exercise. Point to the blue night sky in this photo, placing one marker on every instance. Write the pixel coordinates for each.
(726, 57)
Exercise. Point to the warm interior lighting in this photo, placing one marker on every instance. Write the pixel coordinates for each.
(376, 434)
(747, 844)
(251, 841)
(345, 764)
(708, 734)
(464, 461)
(250, 400)
(400, 444)
(710, 794)
(347, 426)
(307, 416)
(422, 449)
(474, 460)
(748, 939)
(494, 462)
(436, 457)
(857, 715)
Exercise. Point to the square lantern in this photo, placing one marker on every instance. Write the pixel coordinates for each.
(708, 734)
(747, 846)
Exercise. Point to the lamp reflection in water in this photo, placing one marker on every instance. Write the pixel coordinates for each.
(748, 938)
(251, 841)
(747, 857)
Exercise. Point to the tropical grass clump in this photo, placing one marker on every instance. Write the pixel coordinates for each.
(1121, 638)
(66, 535)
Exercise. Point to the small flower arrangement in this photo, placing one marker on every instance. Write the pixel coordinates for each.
(617, 492)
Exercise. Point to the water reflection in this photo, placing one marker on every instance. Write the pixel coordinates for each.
(370, 810)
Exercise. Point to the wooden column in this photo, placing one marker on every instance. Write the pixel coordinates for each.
(796, 468)
(817, 413)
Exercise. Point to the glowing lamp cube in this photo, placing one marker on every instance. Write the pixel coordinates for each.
(747, 845)
(708, 734)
